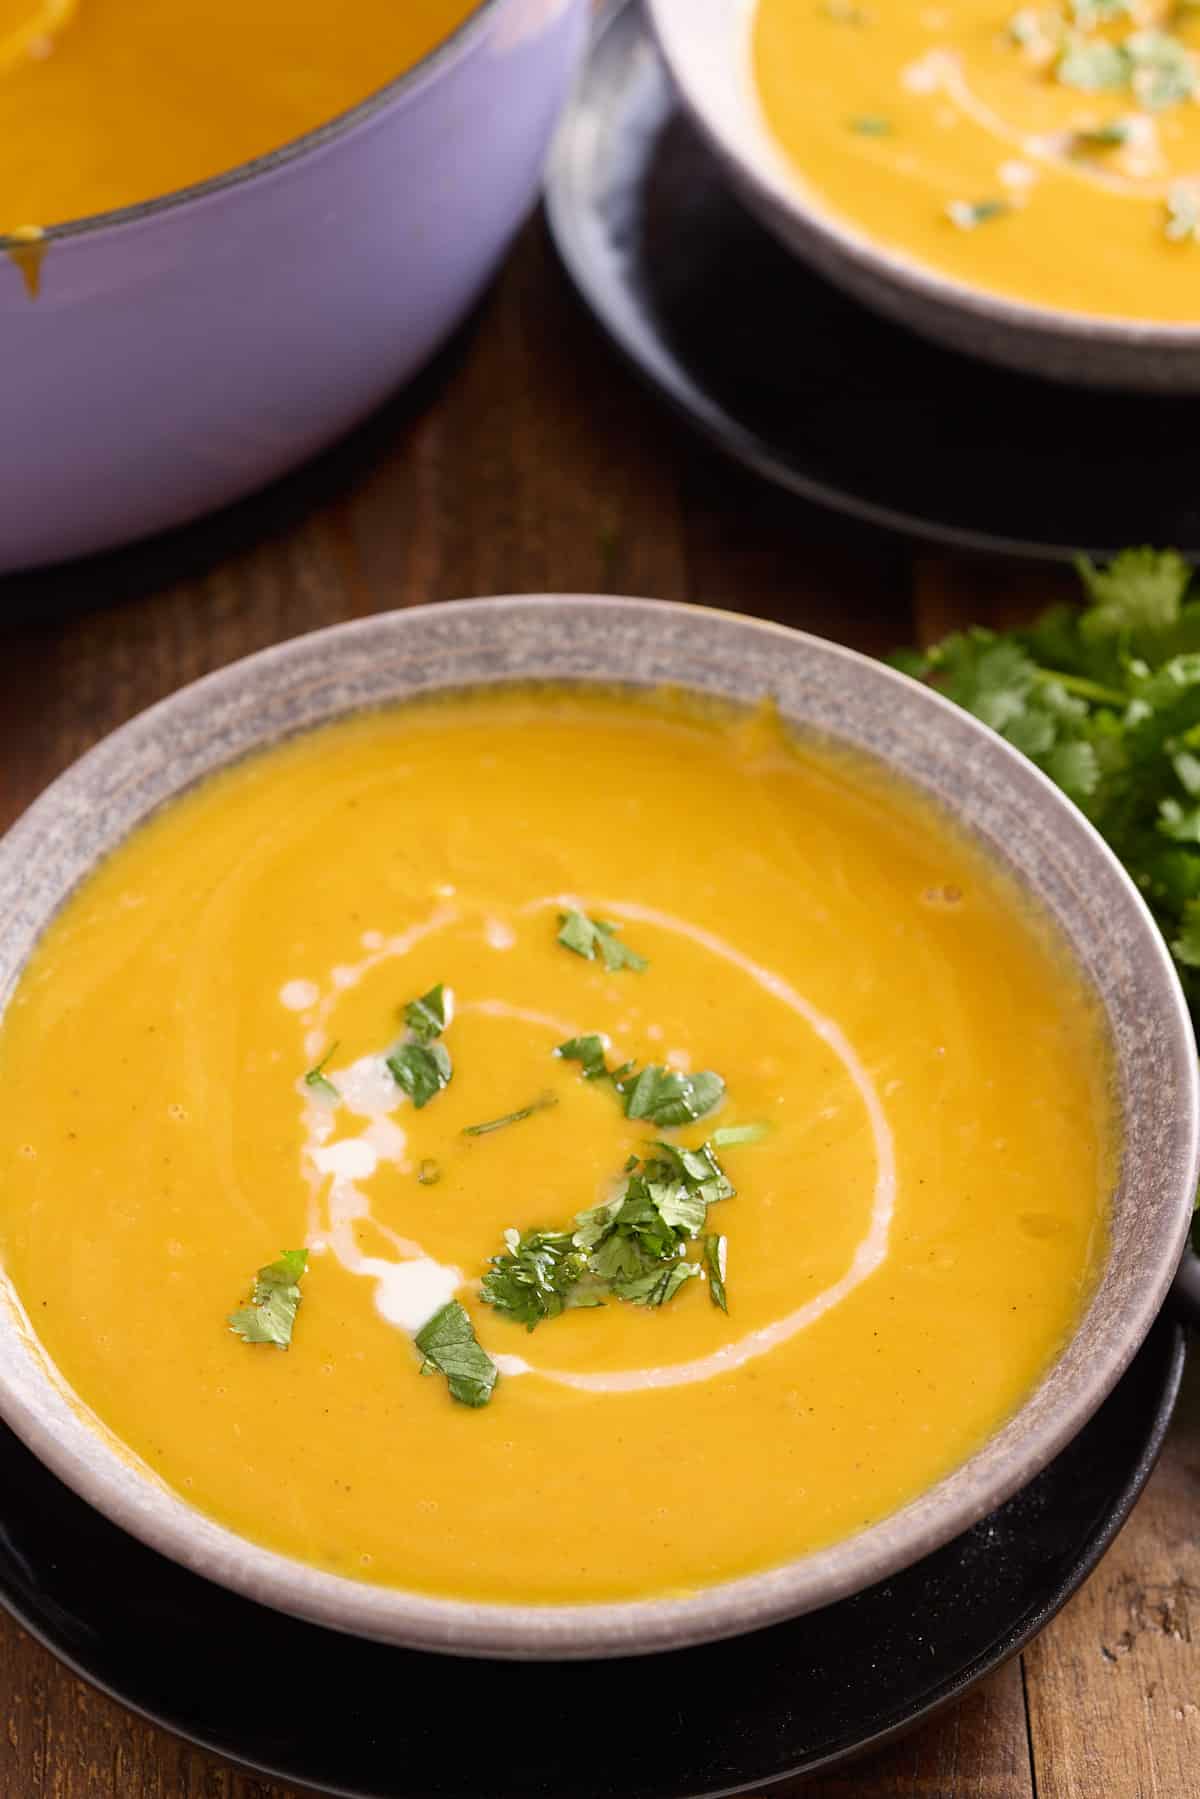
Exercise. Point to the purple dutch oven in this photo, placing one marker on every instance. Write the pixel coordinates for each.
(179, 353)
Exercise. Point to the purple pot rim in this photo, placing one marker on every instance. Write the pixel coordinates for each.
(446, 51)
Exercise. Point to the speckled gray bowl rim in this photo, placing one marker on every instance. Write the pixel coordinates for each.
(408, 82)
(771, 197)
(830, 693)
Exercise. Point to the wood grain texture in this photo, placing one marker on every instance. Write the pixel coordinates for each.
(530, 459)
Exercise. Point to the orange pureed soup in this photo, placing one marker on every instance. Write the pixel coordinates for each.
(1048, 152)
(718, 1058)
(104, 103)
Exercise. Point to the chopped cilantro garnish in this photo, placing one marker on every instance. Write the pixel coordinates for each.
(537, 1277)
(656, 1286)
(1105, 698)
(421, 1069)
(667, 1097)
(716, 1257)
(1087, 14)
(1094, 68)
(1156, 65)
(871, 124)
(429, 1172)
(1109, 136)
(271, 1313)
(632, 1247)
(1033, 29)
(419, 1065)
(316, 1078)
(1163, 69)
(426, 1017)
(449, 1346)
(967, 214)
(542, 1103)
(589, 937)
(1183, 212)
(660, 1095)
(589, 1052)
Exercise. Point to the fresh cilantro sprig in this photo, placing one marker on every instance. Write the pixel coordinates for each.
(633, 1247)
(271, 1314)
(1105, 699)
(592, 937)
(449, 1346)
(420, 1065)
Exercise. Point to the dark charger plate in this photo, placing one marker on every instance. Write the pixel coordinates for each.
(349, 1717)
(813, 390)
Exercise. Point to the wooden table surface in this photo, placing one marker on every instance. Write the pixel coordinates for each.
(529, 459)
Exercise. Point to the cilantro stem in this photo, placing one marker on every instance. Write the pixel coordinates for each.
(1082, 687)
(542, 1103)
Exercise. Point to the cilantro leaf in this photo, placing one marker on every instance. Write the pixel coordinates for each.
(449, 1346)
(271, 1313)
(658, 1286)
(426, 1017)
(429, 1172)
(1109, 136)
(542, 1103)
(587, 1050)
(1163, 69)
(1182, 223)
(716, 1256)
(681, 1208)
(1136, 598)
(1185, 945)
(1094, 68)
(588, 937)
(316, 1077)
(420, 1066)
(421, 1070)
(968, 214)
(667, 1097)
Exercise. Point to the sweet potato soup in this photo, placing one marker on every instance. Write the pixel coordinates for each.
(107, 102)
(1050, 153)
(551, 1146)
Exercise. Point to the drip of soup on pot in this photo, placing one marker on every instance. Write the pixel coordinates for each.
(551, 1146)
(1048, 153)
(104, 103)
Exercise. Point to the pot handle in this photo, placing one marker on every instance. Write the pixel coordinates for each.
(1184, 1299)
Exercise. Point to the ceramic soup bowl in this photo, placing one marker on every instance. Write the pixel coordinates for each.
(826, 692)
(172, 356)
(706, 45)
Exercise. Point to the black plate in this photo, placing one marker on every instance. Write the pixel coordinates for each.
(812, 389)
(347, 1717)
